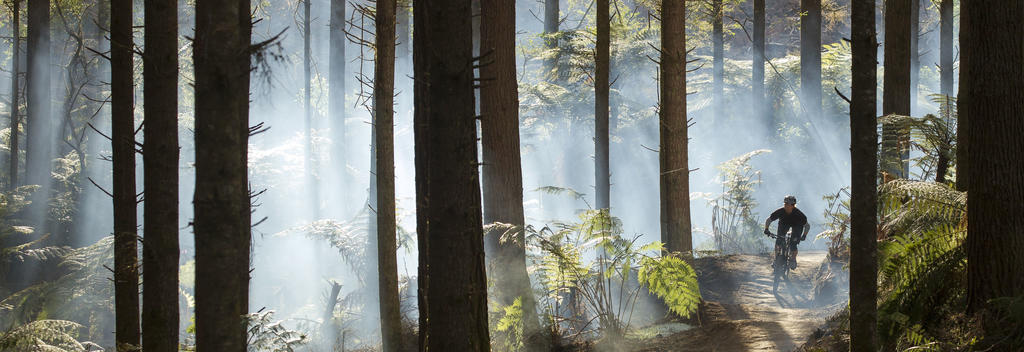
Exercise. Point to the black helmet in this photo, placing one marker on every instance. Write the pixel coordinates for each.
(789, 200)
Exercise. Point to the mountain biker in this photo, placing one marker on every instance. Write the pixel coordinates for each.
(789, 218)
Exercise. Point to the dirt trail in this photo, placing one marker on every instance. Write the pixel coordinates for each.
(743, 313)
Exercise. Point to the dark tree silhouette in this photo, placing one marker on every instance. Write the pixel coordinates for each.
(992, 98)
(39, 139)
(336, 91)
(12, 178)
(757, 80)
(453, 292)
(501, 172)
(383, 95)
(122, 97)
(896, 84)
(221, 53)
(810, 57)
(312, 186)
(863, 195)
(160, 162)
(915, 57)
(675, 173)
(601, 87)
(551, 23)
(946, 47)
(718, 64)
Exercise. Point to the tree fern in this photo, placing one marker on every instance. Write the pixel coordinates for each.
(44, 336)
(674, 281)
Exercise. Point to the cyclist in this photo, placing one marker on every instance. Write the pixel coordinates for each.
(789, 218)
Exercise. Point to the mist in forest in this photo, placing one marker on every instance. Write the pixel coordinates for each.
(295, 256)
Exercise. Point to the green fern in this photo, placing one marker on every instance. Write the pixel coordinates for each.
(674, 281)
(44, 336)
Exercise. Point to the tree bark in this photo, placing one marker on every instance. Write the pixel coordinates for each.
(946, 48)
(675, 174)
(601, 88)
(992, 98)
(757, 80)
(915, 59)
(551, 23)
(502, 177)
(39, 135)
(122, 96)
(453, 292)
(383, 95)
(810, 57)
(718, 64)
(336, 93)
(12, 179)
(160, 163)
(312, 186)
(896, 83)
(863, 195)
(221, 53)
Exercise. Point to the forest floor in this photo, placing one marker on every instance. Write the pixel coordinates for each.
(743, 314)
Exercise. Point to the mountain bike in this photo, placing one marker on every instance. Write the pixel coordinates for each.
(780, 265)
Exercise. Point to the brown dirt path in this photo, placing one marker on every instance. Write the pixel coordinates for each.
(744, 314)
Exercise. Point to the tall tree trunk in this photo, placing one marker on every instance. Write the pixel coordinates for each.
(896, 83)
(160, 162)
(601, 88)
(12, 179)
(810, 57)
(675, 172)
(863, 171)
(502, 174)
(757, 80)
(383, 95)
(122, 96)
(222, 206)
(39, 141)
(718, 64)
(993, 96)
(946, 48)
(336, 93)
(312, 186)
(915, 58)
(551, 23)
(453, 290)
(946, 70)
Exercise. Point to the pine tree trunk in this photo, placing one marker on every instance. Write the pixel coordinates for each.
(383, 95)
(718, 65)
(993, 96)
(946, 71)
(160, 162)
(946, 48)
(122, 96)
(551, 23)
(453, 292)
(675, 173)
(336, 93)
(761, 111)
(222, 206)
(601, 88)
(896, 83)
(810, 58)
(39, 137)
(12, 179)
(915, 60)
(863, 195)
(501, 172)
(312, 186)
